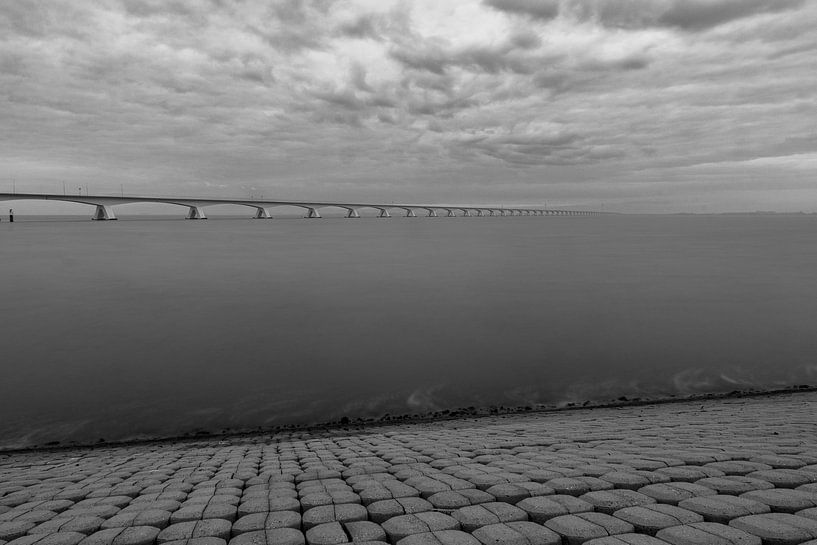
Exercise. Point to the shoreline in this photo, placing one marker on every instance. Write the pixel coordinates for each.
(363, 425)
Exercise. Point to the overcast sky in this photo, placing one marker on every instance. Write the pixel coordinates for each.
(651, 105)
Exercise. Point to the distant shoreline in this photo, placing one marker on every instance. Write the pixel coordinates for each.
(359, 425)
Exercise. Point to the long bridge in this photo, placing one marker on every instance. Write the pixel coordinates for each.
(195, 206)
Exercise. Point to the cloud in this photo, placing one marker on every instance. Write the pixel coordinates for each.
(536, 9)
(686, 15)
(346, 98)
(705, 14)
(364, 26)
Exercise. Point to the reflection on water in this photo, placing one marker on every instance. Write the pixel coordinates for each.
(131, 328)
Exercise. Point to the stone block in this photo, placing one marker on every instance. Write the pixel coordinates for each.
(219, 528)
(734, 484)
(576, 529)
(381, 511)
(649, 519)
(778, 528)
(475, 516)
(672, 493)
(266, 521)
(59, 538)
(609, 501)
(333, 513)
(397, 528)
(626, 539)
(706, 533)
(783, 500)
(543, 508)
(516, 533)
(149, 517)
(133, 535)
(442, 537)
(278, 536)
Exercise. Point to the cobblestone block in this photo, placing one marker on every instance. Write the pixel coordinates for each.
(266, 521)
(442, 537)
(672, 493)
(84, 524)
(707, 533)
(333, 513)
(201, 528)
(723, 508)
(609, 501)
(544, 508)
(649, 519)
(690, 474)
(381, 511)
(12, 530)
(475, 516)
(133, 535)
(778, 528)
(576, 529)
(626, 539)
(397, 528)
(734, 484)
(149, 517)
(278, 536)
(59, 538)
(783, 500)
(737, 467)
(517, 533)
(784, 478)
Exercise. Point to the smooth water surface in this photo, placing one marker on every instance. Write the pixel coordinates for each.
(140, 328)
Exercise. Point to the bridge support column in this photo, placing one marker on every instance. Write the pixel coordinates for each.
(104, 212)
(451, 214)
(410, 213)
(353, 213)
(196, 213)
(479, 213)
(432, 213)
(262, 214)
(466, 213)
(384, 213)
(313, 213)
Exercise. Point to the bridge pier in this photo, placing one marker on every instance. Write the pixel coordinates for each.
(451, 213)
(353, 213)
(384, 213)
(466, 213)
(262, 214)
(104, 212)
(432, 213)
(479, 213)
(313, 213)
(196, 213)
(410, 213)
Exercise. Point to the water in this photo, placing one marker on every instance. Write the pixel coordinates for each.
(142, 328)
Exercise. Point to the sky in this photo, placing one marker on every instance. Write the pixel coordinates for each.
(621, 105)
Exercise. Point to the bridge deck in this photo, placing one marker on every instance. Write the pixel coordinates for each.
(104, 206)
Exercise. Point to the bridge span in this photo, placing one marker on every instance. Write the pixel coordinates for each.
(195, 206)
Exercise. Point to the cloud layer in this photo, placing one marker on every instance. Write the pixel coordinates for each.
(640, 104)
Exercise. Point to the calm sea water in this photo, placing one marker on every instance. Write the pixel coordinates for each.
(141, 328)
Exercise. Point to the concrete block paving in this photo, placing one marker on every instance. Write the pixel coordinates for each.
(717, 472)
